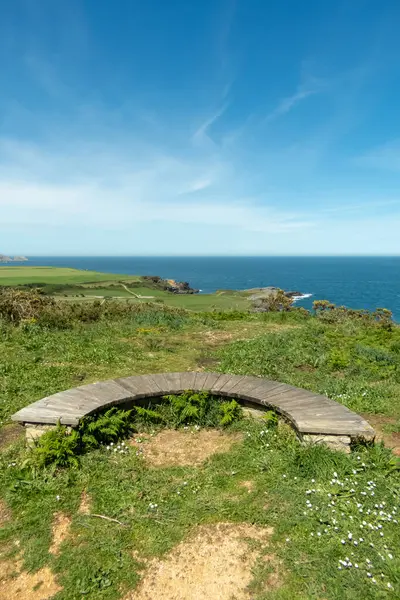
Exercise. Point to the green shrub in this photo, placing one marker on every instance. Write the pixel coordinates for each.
(21, 306)
(338, 359)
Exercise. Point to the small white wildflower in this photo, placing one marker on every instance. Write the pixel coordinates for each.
(58, 498)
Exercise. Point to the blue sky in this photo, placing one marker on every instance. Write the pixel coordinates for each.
(199, 127)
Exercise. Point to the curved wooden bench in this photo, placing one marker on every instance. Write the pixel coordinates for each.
(314, 417)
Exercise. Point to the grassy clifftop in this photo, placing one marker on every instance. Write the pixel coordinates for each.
(329, 519)
(74, 284)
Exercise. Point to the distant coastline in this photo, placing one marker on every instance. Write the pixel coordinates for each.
(356, 282)
(8, 259)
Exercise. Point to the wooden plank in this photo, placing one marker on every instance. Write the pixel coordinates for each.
(173, 383)
(223, 380)
(199, 381)
(327, 426)
(138, 386)
(187, 380)
(210, 381)
(229, 388)
(161, 381)
(310, 413)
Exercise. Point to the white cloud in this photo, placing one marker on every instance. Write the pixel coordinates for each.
(107, 190)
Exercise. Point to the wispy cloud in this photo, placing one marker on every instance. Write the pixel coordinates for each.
(304, 90)
(202, 134)
(53, 191)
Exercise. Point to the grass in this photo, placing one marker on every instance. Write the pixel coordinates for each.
(359, 366)
(11, 275)
(310, 496)
(313, 498)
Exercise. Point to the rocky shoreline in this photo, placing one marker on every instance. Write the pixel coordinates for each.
(265, 292)
(170, 285)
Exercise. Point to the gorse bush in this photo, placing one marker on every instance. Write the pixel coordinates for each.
(330, 313)
(29, 307)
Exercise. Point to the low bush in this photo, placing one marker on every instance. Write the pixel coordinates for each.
(30, 306)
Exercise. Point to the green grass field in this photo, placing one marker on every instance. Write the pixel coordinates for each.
(11, 275)
(102, 285)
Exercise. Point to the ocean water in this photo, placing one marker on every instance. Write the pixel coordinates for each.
(356, 282)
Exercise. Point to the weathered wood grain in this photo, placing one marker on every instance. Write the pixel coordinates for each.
(310, 414)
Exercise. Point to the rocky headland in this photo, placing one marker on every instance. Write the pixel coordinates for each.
(8, 259)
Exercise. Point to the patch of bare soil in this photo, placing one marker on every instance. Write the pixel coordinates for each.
(60, 531)
(183, 448)
(16, 584)
(86, 503)
(9, 434)
(248, 485)
(379, 422)
(5, 513)
(215, 338)
(214, 563)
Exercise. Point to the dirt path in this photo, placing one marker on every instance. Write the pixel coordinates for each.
(136, 295)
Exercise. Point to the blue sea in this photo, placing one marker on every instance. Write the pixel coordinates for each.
(356, 282)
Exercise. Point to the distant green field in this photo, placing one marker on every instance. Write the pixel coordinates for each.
(221, 300)
(23, 275)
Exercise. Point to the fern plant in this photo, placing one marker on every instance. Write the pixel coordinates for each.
(230, 412)
(111, 426)
(58, 447)
(189, 408)
(271, 419)
(147, 416)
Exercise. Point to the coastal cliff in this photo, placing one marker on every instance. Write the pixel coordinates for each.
(8, 259)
